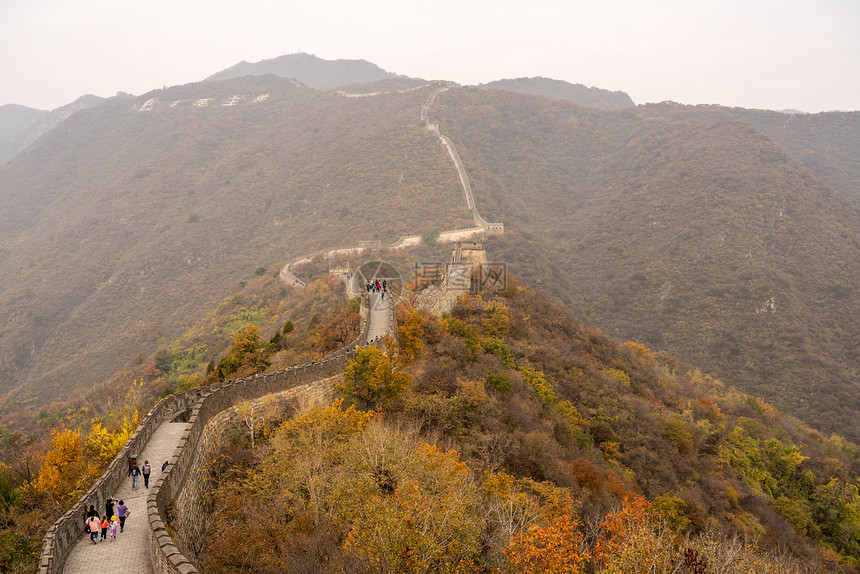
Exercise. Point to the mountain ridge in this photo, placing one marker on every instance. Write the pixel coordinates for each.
(677, 245)
(592, 97)
(177, 202)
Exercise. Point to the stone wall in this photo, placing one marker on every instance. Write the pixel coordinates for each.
(175, 498)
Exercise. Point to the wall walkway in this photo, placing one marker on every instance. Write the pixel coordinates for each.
(131, 546)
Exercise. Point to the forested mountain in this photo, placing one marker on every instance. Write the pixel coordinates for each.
(577, 93)
(698, 237)
(142, 233)
(310, 70)
(127, 222)
(505, 437)
(490, 438)
(692, 229)
(828, 143)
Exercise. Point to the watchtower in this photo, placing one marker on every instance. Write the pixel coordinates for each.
(469, 252)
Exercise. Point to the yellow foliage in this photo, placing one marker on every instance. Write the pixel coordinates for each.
(610, 450)
(64, 475)
(410, 332)
(639, 349)
(497, 323)
(319, 427)
(371, 377)
(102, 444)
(472, 392)
(427, 521)
(619, 375)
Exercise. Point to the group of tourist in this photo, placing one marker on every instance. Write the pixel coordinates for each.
(374, 286)
(114, 516)
(95, 525)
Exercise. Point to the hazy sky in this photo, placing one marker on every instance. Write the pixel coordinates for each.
(752, 53)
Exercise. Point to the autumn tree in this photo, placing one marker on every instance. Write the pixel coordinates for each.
(246, 355)
(340, 329)
(634, 540)
(554, 546)
(103, 444)
(417, 508)
(511, 510)
(410, 331)
(65, 474)
(372, 379)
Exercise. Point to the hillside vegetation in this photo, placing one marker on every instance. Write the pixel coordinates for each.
(47, 462)
(828, 143)
(491, 438)
(511, 436)
(120, 228)
(700, 230)
(704, 239)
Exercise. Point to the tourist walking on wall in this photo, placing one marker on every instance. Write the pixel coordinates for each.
(134, 473)
(146, 470)
(92, 512)
(109, 507)
(104, 525)
(94, 525)
(114, 524)
(122, 512)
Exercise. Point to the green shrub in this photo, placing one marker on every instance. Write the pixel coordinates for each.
(498, 382)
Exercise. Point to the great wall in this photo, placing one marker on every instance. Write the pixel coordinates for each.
(481, 229)
(192, 425)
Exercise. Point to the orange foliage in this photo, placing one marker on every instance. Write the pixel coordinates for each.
(633, 540)
(553, 548)
(640, 349)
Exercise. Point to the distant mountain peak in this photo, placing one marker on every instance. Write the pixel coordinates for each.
(310, 70)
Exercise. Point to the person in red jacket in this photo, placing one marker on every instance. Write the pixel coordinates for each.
(105, 523)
